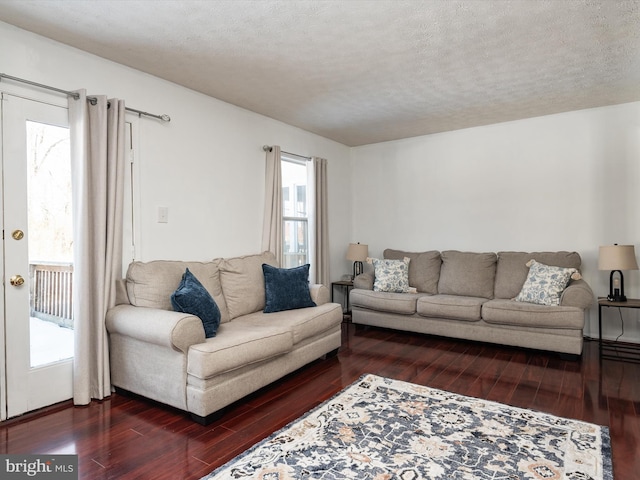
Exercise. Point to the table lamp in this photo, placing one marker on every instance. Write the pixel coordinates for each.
(357, 253)
(617, 258)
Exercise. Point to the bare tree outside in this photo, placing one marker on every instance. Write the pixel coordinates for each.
(49, 184)
(50, 243)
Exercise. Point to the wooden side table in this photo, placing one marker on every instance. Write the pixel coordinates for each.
(345, 286)
(612, 349)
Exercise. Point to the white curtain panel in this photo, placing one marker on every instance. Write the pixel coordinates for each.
(272, 226)
(98, 160)
(321, 227)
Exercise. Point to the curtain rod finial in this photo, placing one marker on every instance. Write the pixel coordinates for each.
(267, 148)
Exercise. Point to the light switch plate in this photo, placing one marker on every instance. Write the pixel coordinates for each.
(163, 215)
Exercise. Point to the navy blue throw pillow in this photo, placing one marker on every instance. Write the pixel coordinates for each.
(191, 297)
(286, 288)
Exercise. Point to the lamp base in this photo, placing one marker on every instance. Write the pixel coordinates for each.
(616, 294)
(357, 269)
(616, 298)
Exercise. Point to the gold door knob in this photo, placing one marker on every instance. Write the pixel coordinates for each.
(17, 234)
(16, 280)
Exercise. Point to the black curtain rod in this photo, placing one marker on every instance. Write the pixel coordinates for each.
(163, 117)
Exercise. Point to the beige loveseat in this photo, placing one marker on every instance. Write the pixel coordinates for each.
(164, 355)
(471, 296)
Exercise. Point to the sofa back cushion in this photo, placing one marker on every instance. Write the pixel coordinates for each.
(512, 269)
(467, 273)
(424, 268)
(242, 282)
(150, 284)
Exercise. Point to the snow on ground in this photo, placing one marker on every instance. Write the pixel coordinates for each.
(49, 342)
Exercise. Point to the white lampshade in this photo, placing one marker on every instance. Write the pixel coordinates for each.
(357, 252)
(617, 257)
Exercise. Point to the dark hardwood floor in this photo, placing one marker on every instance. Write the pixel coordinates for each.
(132, 438)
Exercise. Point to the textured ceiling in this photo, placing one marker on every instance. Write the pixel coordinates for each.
(366, 71)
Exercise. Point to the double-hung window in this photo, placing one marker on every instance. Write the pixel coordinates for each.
(296, 211)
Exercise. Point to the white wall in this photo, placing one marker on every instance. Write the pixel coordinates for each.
(560, 182)
(206, 165)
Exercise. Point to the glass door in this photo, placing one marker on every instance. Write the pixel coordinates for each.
(38, 254)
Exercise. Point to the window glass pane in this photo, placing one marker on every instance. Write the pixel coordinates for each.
(296, 243)
(301, 201)
(50, 243)
(295, 249)
(294, 188)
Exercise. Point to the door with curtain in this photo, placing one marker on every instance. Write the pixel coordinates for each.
(38, 256)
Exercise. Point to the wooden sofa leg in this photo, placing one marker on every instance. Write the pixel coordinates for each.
(212, 417)
(332, 353)
(572, 357)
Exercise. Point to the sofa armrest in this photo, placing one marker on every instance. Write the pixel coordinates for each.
(364, 281)
(161, 327)
(319, 294)
(577, 294)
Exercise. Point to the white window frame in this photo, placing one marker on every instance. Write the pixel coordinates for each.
(310, 208)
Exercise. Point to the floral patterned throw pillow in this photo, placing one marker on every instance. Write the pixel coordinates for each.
(545, 284)
(391, 275)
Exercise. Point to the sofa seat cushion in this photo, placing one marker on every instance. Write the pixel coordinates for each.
(402, 303)
(510, 312)
(451, 306)
(303, 323)
(237, 345)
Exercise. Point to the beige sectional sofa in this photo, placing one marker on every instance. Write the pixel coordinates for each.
(471, 295)
(163, 354)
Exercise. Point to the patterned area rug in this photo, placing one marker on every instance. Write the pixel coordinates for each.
(383, 429)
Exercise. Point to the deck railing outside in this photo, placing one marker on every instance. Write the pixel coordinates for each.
(52, 292)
